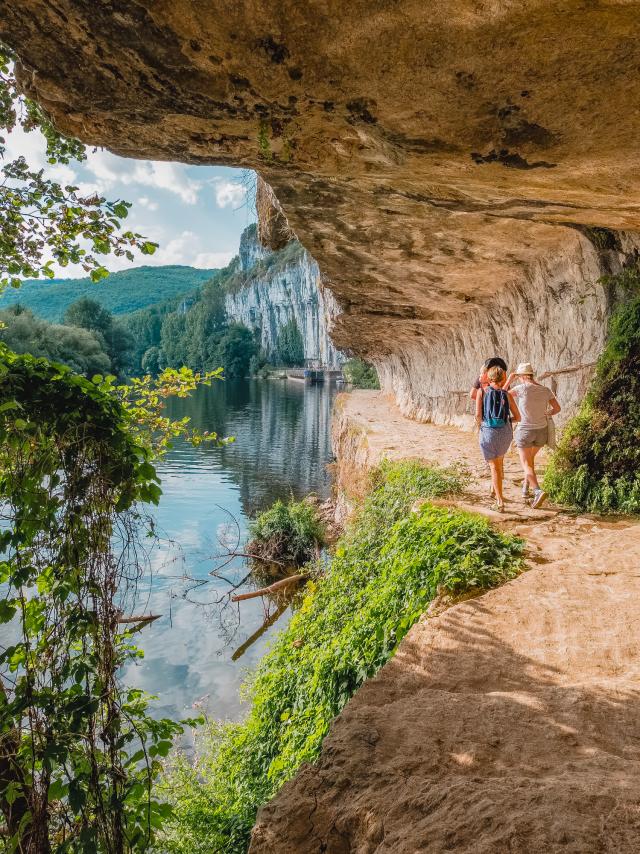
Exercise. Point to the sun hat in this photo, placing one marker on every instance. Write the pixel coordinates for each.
(525, 369)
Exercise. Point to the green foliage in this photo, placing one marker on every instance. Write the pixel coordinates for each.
(79, 752)
(289, 344)
(389, 565)
(150, 362)
(597, 464)
(83, 351)
(42, 222)
(236, 349)
(290, 533)
(360, 374)
(89, 314)
(124, 292)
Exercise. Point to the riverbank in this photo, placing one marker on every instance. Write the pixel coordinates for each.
(398, 553)
(510, 722)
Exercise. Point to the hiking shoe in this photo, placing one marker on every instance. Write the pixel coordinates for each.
(539, 498)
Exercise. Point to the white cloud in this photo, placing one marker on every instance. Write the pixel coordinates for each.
(33, 148)
(110, 171)
(187, 248)
(147, 203)
(229, 194)
(213, 259)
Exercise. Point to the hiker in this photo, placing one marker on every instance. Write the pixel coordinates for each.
(483, 380)
(495, 410)
(537, 404)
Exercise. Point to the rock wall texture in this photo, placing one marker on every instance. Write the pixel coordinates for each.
(433, 158)
(281, 286)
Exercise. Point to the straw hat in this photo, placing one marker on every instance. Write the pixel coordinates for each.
(525, 369)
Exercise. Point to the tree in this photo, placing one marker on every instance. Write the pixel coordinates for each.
(289, 344)
(80, 349)
(78, 751)
(361, 374)
(236, 348)
(89, 314)
(42, 222)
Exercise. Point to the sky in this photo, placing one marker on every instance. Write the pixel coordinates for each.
(195, 213)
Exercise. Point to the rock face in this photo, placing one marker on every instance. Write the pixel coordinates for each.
(434, 158)
(281, 286)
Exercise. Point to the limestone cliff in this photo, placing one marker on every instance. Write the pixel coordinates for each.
(434, 158)
(271, 288)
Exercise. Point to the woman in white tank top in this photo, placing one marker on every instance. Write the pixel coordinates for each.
(536, 403)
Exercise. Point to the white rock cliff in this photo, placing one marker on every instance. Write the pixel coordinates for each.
(277, 287)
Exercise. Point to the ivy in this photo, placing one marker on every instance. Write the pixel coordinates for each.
(597, 464)
(78, 751)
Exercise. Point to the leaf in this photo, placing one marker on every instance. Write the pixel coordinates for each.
(7, 610)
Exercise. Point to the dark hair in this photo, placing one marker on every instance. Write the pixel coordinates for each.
(495, 362)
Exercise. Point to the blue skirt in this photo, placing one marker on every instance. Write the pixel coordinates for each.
(495, 441)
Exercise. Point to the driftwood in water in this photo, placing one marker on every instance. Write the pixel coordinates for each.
(272, 588)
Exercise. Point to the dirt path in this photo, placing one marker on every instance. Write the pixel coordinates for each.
(508, 723)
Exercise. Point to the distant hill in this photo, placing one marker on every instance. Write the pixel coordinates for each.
(120, 293)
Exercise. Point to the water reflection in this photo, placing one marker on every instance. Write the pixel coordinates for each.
(281, 449)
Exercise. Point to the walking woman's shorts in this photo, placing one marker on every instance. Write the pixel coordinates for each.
(531, 437)
(495, 441)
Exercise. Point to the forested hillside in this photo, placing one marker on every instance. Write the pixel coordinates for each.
(120, 293)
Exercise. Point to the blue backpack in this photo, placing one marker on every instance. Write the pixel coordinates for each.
(495, 407)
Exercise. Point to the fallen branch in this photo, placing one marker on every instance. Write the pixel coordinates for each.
(233, 554)
(571, 369)
(148, 618)
(272, 588)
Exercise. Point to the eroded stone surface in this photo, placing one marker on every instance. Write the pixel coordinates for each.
(431, 156)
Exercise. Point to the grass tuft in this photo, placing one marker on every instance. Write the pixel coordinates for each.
(290, 533)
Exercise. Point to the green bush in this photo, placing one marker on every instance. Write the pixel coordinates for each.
(289, 344)
(387, 568)
(597, 464)
(287, 532)
(360, 374)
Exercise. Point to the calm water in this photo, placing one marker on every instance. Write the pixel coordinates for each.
(200, 649)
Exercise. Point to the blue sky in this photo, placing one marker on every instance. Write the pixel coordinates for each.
(195, 213)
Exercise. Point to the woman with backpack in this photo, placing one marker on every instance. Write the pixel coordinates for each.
(495, 411)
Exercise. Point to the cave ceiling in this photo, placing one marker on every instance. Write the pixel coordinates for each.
(427, 154)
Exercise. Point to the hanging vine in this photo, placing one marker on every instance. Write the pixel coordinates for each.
(78, 750)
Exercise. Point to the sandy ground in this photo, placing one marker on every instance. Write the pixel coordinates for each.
(508, 723)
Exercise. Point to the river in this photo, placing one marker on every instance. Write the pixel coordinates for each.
(198, 653)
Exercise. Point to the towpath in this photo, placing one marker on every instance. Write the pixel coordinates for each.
(507, 723)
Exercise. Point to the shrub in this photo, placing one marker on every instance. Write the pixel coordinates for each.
(386, 569)
(289, 344)
(597, 464)
(287, 532)
(360, 374)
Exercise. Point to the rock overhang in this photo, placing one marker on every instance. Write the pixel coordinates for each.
(433, 158)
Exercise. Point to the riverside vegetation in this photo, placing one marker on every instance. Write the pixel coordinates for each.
(288, 533)
(392, 561)
(597, 464)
